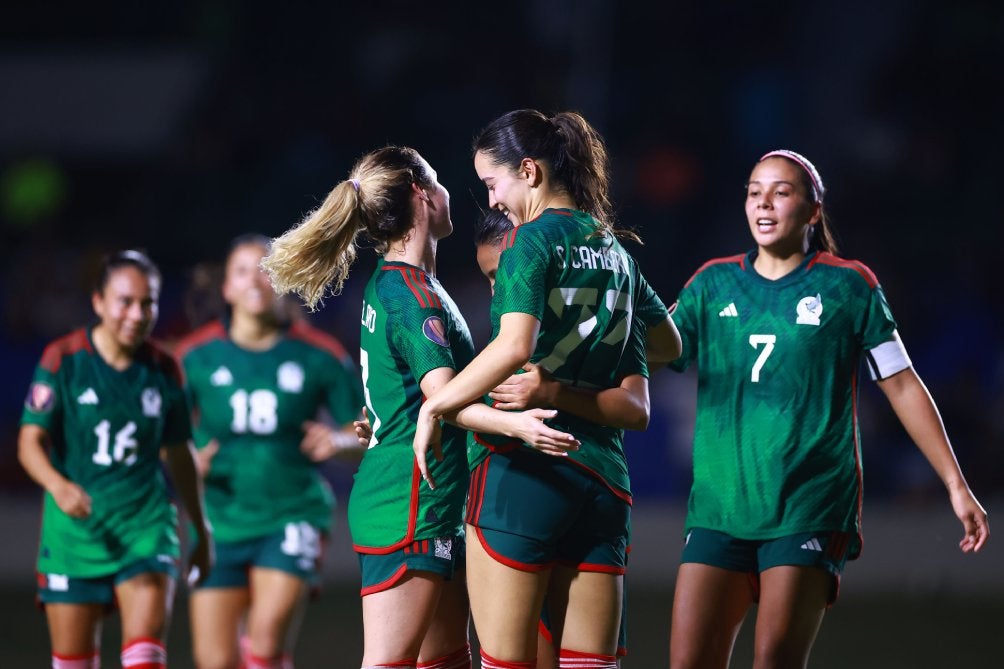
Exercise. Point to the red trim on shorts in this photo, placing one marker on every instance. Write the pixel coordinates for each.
(508, 562)
(476, 491)
(545, 632)
(385, 585)
(593, 568)
(416, 481)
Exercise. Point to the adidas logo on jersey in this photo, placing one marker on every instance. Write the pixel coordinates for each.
(812, 545)
(729, 311)
(221, 377)
(88, 397)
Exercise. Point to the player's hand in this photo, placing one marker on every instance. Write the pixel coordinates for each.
(534, 388)
(72, 499)
(428, 434)
(200, 563)
(204, 457)
(364, 431)
(532, 430)
(321, 442)
(973, 517)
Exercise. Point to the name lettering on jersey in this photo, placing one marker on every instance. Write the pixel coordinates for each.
(729, 312)
(290, 377)
(221, 377)
(434, 330)
(57, 582)
(151, 402)
(808, 310)
(586, 257)
(41, 397)
(88, 397)
(368, 319)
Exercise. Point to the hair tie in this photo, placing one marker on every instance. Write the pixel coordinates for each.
(803, 162)
(355, 184)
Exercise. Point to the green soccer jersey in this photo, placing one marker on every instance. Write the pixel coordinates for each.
(593, 304)
(776, 447)
(254, 403)
(107, 428)
(409, 327)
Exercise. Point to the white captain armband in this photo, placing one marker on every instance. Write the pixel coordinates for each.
(887, 358)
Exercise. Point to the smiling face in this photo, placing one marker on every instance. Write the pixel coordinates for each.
(246, 287)
(779, 207)
(508, 190)
(127, 306)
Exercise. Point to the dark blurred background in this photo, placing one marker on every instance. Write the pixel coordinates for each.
(176, 126)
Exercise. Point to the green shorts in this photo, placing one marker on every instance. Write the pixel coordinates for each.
(532, 511)
(824, 550)
(296, 549)
(63, 589)
(441, 555)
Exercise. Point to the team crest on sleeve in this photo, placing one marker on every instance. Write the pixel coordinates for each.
(290, 377)
(151, 402)
(434, 330)
(808, 310)
(41, 397)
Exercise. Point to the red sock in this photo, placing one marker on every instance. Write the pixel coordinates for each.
(573, 659)
(92, 661)
(144, 653)
(458, 659)
(489, 662)
(252, 661)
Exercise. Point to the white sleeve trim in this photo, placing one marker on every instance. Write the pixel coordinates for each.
(887, 358)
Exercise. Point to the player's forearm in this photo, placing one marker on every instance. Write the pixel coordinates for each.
(492, 366)
(32, 453)
(919, 415)
(180, 459)
(613, 407)
(478, 417)
(663, 344)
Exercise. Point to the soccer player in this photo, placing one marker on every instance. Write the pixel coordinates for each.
(566, 298)
(409, 536)
(257, 383)
(536, 388)
(778, 335)
(104, 407)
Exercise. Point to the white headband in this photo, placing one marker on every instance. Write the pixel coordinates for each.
(810, 169)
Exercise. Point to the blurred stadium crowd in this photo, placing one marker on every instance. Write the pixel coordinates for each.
(175, 128)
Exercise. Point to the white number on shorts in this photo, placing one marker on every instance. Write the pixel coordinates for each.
(301, 540)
